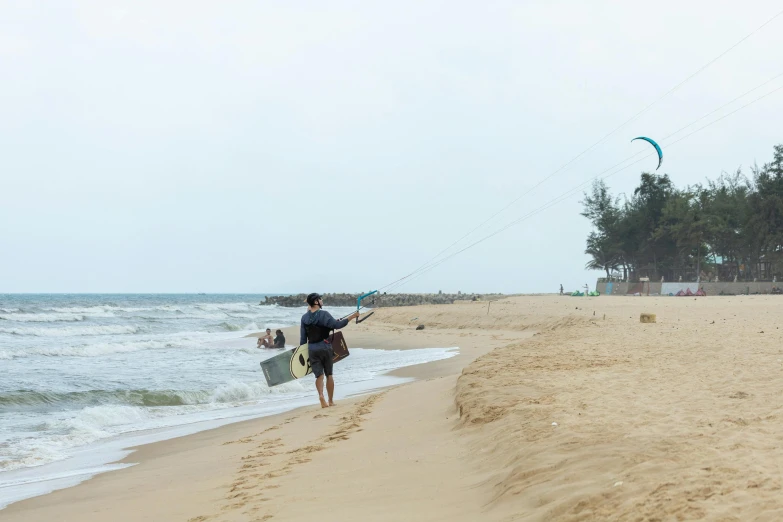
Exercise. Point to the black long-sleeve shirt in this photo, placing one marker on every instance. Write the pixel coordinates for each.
(319, 318)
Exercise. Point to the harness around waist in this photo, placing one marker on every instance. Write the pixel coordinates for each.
(317, 333)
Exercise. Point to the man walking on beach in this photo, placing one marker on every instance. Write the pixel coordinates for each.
(314, 330)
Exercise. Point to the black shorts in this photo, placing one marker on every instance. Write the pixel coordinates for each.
(321, 359)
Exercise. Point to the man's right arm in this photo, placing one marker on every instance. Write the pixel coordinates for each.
(334, 324)
(302, 333)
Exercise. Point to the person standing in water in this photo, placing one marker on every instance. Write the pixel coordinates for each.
(315, 327)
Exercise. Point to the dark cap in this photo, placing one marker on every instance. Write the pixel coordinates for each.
(312, 298)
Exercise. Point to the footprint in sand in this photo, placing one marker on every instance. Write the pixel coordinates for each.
(299, 460)
(272, 443)
(241, 494)
(307, 449)
(240, 441)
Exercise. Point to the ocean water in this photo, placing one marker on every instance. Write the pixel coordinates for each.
(78, 371)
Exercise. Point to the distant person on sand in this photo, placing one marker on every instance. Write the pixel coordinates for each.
(314, 330)
(280, 339)
(266, 341)
(561, 289)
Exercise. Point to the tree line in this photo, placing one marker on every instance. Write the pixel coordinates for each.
(727, 228)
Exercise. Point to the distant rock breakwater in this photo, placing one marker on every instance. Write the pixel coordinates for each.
(379, 300)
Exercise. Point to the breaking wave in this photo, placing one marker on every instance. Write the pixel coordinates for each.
(72, 331)
(232, 392)
(97, 349)
(229, 327)
(42, 318)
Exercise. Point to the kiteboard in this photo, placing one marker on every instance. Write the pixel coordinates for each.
(295, 364)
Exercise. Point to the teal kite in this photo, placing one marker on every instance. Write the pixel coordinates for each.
(657, 148)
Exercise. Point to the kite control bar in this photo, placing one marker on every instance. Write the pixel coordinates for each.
(359, 305)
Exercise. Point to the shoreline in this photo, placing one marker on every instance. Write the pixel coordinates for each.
(128, 454)
(556, 408)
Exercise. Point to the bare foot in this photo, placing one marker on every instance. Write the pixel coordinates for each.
(331, 403)
(323, 402)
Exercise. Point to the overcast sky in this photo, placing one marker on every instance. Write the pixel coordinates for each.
(336, 146)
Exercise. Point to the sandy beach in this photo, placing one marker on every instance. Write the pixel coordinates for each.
(556, 408)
